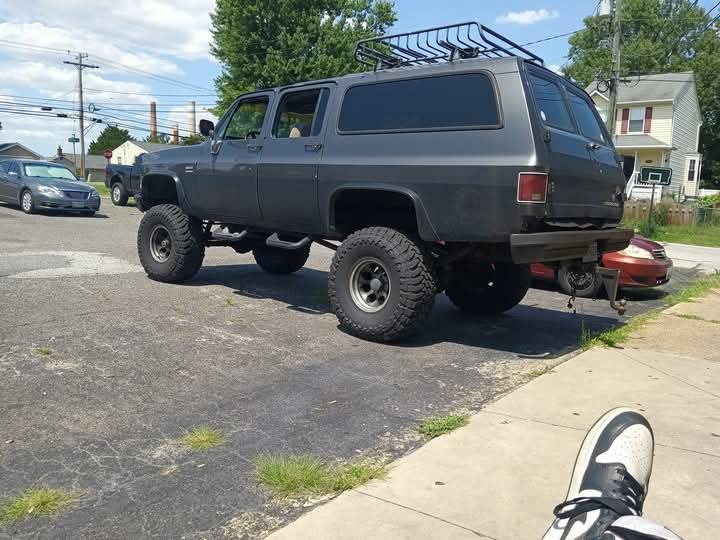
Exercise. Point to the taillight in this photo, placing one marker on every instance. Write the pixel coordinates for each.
(532, 187)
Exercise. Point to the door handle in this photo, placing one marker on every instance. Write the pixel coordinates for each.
(313, 147)
(592, 146)
(254, 147)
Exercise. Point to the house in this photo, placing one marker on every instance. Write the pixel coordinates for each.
(126, 153)
(94, 165)
(15, 150)
(657, 123)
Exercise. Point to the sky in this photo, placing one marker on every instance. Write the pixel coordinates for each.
(159, 50)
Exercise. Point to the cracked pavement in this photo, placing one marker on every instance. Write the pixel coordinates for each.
(259, 357)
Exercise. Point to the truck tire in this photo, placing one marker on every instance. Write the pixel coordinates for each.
(170, 244)
(381, 284)
(587, 282)
(118, 194)
(488, 289)
(281, 261)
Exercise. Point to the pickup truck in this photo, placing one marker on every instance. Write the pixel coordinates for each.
(123, 181)
(447, 169)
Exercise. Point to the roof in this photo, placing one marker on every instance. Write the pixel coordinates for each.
(91, 161)
(9, 145)
(638, 141)
(153, 147)
(658, 87)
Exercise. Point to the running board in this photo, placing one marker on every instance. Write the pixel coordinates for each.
(611, 279)
(274, 241)
(226, 239)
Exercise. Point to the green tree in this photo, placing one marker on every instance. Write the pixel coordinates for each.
(192, 139)
(658, 36)
(265, 43)
(110, 137)
(162, 138)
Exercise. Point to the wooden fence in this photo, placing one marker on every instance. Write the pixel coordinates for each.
(678, 214)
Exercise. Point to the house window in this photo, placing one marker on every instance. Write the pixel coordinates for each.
(691, 171)
(119, 158)
(636, 122)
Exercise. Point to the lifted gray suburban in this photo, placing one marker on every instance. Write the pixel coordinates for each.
(453, 164)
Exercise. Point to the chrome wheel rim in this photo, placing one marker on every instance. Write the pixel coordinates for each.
(369, 285)
(580, 278)
(160, 243)
(27, 201)
(116, 194)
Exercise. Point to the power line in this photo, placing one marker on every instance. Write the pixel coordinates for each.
(80, 65)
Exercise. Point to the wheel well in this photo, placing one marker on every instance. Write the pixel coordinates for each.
(115, 180)
(159, 189)
(355, 209)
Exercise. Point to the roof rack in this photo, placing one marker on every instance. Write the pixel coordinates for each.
(440, 44)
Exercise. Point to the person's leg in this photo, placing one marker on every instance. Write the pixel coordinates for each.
(609, 483)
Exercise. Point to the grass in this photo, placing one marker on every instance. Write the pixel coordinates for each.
(616, 336)
(440, 425)
(538, 371)
(293, 475)
(202, 438)
(229, 302)
(33, 503)
(701, 235)
(695, 318)
(102, 189)
(42, 351)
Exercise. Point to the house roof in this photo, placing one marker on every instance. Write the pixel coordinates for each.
(91, 161)
(658, 87)
(153, 147)
(9, 145)
(638, 141)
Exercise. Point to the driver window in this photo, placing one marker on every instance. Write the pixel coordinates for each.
(247, 121)
(296, 115)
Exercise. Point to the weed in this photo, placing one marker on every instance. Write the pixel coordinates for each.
(33, 503)
(292, 475)
(202, 438)
(539, 371)
(42, 351)
(229, 302)
(700, 287)
(434, 427)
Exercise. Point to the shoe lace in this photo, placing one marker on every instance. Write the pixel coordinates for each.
(628, 499)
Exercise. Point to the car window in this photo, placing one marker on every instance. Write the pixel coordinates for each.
(462, 101)
(4, 166)
(586, 119)
(296, 114)
(550, 103)
(14, 167)
(247, 120)
(49, 171)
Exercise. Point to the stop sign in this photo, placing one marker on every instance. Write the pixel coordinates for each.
(107, 153)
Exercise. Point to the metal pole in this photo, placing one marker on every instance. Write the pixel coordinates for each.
(81, 110)
(615, 75)
(652, 201)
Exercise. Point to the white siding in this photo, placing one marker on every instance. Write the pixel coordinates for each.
(686, 120)
(126, 153)
(661, 124)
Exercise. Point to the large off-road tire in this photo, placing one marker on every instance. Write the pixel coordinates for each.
(381, 284)
(118, 194)
(586, 281)
(487, 289)
(281, 261)
(171, 246)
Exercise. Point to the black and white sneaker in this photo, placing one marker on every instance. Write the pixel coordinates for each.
(610, 478)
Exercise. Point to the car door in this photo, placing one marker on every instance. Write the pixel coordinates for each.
(226, 179)
(14, 181)
(288, 169)
(4, 180)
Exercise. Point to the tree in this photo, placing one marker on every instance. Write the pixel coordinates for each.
(110, 137)
(265, 43)
(162, 138)
(658, 36)
(192, 139)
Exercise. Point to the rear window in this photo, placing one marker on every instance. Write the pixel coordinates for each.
(550, 103)
(586, 119)
(464, 101)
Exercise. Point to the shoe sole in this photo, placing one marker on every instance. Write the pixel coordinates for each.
(583, 458)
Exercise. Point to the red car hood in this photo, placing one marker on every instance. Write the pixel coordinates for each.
(645, 243)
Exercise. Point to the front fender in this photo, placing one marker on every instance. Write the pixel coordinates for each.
(183, 201)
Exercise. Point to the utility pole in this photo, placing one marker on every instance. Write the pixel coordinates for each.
(81, 66)
(615, 74)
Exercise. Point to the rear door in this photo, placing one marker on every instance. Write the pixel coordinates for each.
(4, 180)
(574, 190)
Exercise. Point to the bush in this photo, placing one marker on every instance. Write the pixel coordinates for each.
(661, 212)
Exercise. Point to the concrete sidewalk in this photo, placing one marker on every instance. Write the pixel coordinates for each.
(500, 476)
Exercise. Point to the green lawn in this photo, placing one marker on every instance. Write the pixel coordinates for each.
(701, 235)
(104, 191)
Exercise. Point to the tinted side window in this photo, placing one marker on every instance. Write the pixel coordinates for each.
(550, 103)
(586, 119)
(453, 101)
(4, 166)
(247, 121)
(296, 114)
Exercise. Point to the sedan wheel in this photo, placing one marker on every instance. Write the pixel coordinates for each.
(27, 202)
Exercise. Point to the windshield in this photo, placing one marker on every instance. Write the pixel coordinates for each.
(49, 171)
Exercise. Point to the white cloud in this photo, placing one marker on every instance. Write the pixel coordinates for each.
(556, 68)
(529, 16)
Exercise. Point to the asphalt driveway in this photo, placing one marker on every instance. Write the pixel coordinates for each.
(134, 363)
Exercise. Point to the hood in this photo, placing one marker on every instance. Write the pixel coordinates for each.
(645, 243)
(60, 184)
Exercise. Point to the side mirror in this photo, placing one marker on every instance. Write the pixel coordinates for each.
(12, 173)
(206, 128)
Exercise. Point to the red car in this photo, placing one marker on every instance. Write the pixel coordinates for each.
(643, 263)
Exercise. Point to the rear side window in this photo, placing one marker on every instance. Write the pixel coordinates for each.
(586, 119)
(550, 103)
(4, 166)
(464, 101)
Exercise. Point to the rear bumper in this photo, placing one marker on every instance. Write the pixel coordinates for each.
(562, 245)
